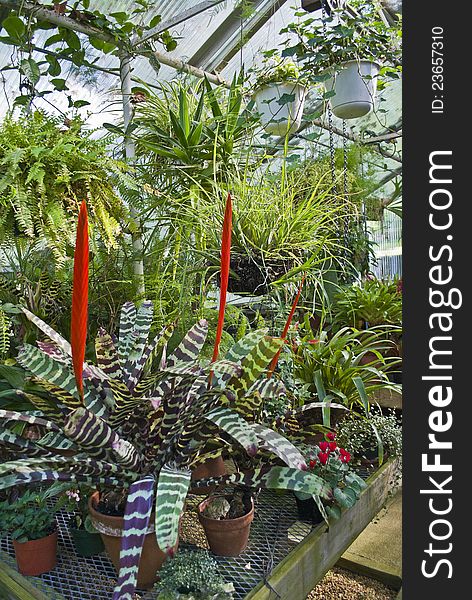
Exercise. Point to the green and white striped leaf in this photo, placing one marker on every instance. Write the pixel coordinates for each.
(190, 347)
(280, 446)
(232, 424)
(172, 488)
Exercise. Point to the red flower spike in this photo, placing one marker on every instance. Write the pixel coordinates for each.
(323, 457)
(331, 436)
(323, 446)
(332, 446)
(224, 272)
(275, 360)
(78, 332)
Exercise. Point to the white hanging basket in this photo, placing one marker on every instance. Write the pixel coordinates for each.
(280, 118)
(354, 86)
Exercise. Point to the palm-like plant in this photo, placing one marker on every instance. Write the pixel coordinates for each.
(139, 430)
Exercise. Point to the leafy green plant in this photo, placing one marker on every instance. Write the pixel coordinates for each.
(330, 462)
(360, 436)
(29, 517)
(77, 504)
(45, 171)
(192, 575)
(137, 430)
(276, 71)
(371, 303)
(336, 368)
(347, 36)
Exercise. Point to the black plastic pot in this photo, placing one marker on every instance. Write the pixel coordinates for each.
(86, 543)
(308, 511)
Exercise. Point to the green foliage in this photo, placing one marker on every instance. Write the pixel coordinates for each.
(118, 28)
(5, 333)
(45, 172)
(192, 575)
(359, 36)
(189, 135)
(28, 517)
(371, 303)
(335, 470)
(345, 367)
(360, 435)
(276, 70)
(76, 502)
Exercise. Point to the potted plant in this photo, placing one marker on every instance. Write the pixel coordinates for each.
(330, 462)
(280, 97)
(142, 425)
(32, 526)
(227, 520)
(192, 575)
(347, 53)
(86, 538)
(370, 439)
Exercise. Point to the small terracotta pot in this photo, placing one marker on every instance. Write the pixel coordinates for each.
(212, 467)
(36, 556)
(227, 537)
(111, 530)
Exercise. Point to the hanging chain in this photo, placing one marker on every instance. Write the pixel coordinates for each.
(330, 115)
(345, 187)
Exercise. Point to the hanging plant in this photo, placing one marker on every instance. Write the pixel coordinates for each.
(45, 171)
(348, 52)
(280, 97)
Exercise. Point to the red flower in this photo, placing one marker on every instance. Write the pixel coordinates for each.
(323, 446)
(323, 457)
(332, 446)
(331, 436)
(345, 457)
(313, 341)
(312, 463)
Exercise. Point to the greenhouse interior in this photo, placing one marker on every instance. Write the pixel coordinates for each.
(200, 299)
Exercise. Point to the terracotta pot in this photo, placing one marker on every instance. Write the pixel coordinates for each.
(36, 556)
(111, 530)
(212, 467)
(227, 537)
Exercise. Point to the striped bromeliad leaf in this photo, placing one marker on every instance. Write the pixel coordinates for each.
(126, 336)
(56, 441)
(278, 478)
(190, 347)
(54, 352)
(280, 446)
(25, 418)
(20, 444)
(253, 365)
(44, 476)
(230, 422)
(148, 352)
(107, 354)
(172, 488)
(141, 329)
(89, 431)
(237, 352)
(61, 343)
(44, 367)
(136, 520)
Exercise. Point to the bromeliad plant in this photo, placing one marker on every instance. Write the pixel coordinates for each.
(136, 429)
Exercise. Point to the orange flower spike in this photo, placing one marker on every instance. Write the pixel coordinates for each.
(275, 360)
(78, 332)
(224, 273)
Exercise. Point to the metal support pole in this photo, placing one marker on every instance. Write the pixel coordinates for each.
(130, 155)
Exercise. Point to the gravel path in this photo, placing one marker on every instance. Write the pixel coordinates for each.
(339, 584)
